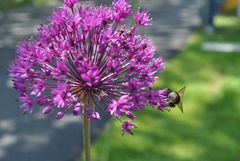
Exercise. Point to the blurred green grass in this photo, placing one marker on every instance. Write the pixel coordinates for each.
(228, 29)
(209, 128)
(10, 4)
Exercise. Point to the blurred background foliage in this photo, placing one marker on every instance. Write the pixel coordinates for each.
(10, 4)
(228, 29)
(230, 5)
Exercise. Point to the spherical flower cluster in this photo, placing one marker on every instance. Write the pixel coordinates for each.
(87, 55)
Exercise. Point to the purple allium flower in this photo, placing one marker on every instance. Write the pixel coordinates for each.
(88, 54)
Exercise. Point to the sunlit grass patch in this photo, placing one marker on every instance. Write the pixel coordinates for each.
(228, 29)
(227, 21)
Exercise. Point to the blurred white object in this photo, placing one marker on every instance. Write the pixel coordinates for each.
(221, 46)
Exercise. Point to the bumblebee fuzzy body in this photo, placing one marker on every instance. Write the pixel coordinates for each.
(175, 98)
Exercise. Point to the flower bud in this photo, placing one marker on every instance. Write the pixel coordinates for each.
(77, 110)
(95, 115)
(47, 110)
(59, 115)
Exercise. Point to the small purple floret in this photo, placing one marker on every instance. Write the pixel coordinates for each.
(77, 110)
(95, 115)
(122, 9)
(59, 115)
(70, 3)
(47, 110)
(127, 127)
(142, 18)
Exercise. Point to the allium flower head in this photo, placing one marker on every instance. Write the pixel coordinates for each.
(89, 55)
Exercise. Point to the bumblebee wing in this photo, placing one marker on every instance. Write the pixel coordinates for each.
(180, 106)
(182, 90)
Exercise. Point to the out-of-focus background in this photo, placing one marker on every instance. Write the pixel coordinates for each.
(200, 40)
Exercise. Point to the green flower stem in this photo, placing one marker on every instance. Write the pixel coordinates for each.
(136, 6)
(86, 137)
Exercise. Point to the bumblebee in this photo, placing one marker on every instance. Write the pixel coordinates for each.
(175, 98)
